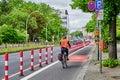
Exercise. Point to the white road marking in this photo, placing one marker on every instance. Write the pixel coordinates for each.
(35, 73)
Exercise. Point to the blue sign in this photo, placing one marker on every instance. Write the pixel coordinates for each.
(98, 5)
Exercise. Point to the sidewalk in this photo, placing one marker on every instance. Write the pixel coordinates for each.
(93, 71)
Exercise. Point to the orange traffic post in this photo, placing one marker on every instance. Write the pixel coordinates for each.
(103, 45)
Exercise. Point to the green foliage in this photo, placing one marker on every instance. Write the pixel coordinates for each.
(91, 24)
(81, 4)
(54, 28)
(76, 33)
(16, 13)
(110, 62)
(11, 35)
(118, 29)
(21, 36)
(0, 41)
(118, 34)
(8, 34)
(106, 50)
(16, 18)
(5, 7)
(105, 33)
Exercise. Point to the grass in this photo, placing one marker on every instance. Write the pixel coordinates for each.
(11, 48)
(17, 49)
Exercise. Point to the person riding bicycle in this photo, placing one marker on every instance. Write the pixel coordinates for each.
(64, 44)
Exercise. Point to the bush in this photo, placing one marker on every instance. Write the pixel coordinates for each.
(8, 34)
(110, 62)
(106, 50)
(12, 35)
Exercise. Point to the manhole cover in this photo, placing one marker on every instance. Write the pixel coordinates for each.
(116, 77)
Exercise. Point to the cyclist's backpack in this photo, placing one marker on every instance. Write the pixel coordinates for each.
(60, 57)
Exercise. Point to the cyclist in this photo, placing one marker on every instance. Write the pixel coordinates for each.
(64, 44)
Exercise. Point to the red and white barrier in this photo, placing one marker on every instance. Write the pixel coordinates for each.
(46, 56)
(32, 59)
(51, 55)
(21, 63)
(6, 66)
(40, 57)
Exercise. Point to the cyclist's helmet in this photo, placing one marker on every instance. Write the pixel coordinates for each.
(64, 37)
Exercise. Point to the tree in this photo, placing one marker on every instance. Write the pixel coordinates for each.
(54, 28)
(5, 7)
(91, 25)
(111, 10)
(16, 18)
(35, 24)
(76, 34)
(20, 10)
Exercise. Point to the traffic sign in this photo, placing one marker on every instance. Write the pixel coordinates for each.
(99, 9)
(99, 5)
(91, 6)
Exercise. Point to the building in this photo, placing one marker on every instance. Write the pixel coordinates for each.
(65, 18)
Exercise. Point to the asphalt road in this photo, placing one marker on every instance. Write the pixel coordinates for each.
(52, 71)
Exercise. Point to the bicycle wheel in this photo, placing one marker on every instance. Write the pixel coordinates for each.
(64, 61)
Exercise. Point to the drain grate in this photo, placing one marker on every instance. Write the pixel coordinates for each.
(116, 77)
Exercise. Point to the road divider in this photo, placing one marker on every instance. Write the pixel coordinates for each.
(46, 56)
(21, 63)
(40, 57)
(6, 57)
(51, 55)
(32, 60)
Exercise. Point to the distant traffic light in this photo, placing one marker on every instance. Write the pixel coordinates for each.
(96, 40)
(96, 32)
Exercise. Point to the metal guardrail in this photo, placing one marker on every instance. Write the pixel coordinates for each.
(14, 45)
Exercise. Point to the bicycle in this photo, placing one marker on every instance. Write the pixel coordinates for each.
(63, 58)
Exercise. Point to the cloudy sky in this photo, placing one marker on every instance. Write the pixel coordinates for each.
(77, 18)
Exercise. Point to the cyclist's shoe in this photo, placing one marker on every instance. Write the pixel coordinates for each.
(67, 59)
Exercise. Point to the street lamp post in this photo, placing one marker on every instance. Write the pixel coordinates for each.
(46, 32)
(27, 23)
(46, 29)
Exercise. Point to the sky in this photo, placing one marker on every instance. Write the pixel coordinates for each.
(77, 18)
